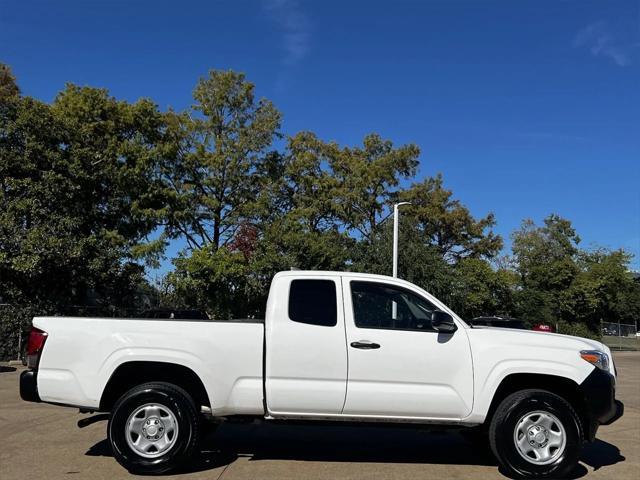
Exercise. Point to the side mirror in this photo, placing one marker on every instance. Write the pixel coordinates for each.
(442, 322)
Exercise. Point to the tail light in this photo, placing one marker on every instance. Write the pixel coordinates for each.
(35, 345)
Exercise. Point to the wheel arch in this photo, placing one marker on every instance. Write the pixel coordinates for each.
(564, 387)
(129, 374)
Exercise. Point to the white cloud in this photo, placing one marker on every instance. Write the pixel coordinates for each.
(295, 26)
(601, 42)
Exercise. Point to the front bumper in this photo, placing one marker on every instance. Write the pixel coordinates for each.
(29, 386)
(602, 408)
(619, 412)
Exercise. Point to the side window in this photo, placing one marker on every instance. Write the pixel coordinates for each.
(373, 307)
(313, 302)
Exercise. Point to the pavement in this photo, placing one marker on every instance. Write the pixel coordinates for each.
(43, 441)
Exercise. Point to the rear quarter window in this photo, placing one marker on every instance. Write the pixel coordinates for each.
(313, 302)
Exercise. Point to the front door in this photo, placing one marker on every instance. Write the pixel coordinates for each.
(398, 365)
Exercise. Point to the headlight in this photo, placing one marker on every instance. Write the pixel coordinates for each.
(597, 358)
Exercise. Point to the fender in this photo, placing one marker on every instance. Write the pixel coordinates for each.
(498, 353)
(172, 356)
(505, 369)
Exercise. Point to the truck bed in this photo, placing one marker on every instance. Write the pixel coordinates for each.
(82, 353)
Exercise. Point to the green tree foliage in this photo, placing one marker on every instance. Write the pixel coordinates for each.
(445, 250)
(368, 179)
(560, 283)
(302, 216)
(74, 177)
(210, 174)
(447, 225)
(419, 262)
(479, 289)
(8, 86)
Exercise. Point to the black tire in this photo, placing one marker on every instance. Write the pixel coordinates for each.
(503, 427)
(187, 418)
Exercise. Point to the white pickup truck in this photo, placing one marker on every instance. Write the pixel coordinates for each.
(334, 347)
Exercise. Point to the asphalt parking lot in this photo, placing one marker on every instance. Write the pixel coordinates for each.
(43, 441)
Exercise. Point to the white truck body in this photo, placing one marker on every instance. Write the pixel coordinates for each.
(310, 370)
(333, 347)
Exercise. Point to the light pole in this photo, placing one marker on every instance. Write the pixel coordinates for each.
(395, 236)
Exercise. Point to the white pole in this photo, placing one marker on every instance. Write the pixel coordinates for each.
(395, 240)
(396, 221)
(396, 214)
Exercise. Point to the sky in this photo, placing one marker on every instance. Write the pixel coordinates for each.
(526, 107)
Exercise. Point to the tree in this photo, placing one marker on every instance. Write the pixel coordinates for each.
(300, 220)
(368, 178)
(448, 225)
(545, 261)
(418, 262)
(443, 249)
(545, 255)
(325, 198)
(8, 86)
(210, 173)
(302, 187)
(603, 290)
(213, 174)
(305, 210)
(562, 283)
(478, 289)
(74, 183)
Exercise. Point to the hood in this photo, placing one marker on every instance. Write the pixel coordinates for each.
(501, 351)
(533, 338)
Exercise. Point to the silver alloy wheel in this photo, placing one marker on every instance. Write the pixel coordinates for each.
(151, 430)
(540, 437)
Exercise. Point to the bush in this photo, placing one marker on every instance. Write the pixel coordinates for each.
(15, 323)
(577, 330)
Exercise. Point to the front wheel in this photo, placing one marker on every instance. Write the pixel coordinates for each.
(536, 434)
(154, 428)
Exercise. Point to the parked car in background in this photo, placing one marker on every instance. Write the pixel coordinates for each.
(543, 327)
(174, 314)
(334, 346)
(508, 322)
(502, 322)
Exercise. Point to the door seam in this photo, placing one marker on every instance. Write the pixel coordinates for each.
(346, 345)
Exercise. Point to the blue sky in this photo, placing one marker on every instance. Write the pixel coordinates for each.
(526, 107)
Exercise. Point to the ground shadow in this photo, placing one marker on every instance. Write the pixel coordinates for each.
(596, 455)
(601, 454)
(329, 443)
(349, 444)
(354, 444)
(4, 368)
(205, 460)
(100, 449)
(578, 472)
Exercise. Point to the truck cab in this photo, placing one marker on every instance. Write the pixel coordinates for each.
(349, 346)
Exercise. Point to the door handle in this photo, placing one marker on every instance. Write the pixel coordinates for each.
(365, 345)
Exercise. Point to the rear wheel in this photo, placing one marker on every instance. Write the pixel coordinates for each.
(154, 428)
(536, 434)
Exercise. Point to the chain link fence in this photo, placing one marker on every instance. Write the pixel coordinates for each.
(620, 336)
